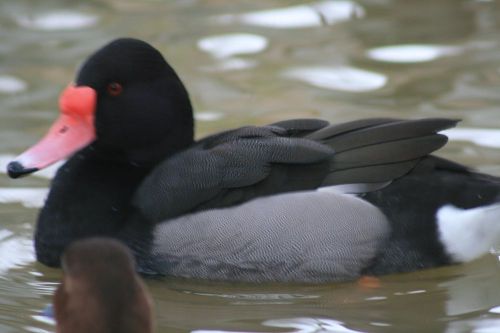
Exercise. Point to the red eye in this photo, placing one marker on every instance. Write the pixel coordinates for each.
(114, 89)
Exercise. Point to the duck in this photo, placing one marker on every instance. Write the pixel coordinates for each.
(299, 200)
(100, 290)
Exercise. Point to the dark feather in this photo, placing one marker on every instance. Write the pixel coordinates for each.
(238, 165)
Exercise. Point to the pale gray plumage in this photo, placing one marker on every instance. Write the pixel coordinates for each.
(300, 236)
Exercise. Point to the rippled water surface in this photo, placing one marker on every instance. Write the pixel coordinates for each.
(255, 62)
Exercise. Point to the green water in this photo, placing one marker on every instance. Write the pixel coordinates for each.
(336, 60)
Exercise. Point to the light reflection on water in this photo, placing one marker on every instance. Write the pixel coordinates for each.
(338, 78)
(10, 84)
(59, 20)
(478, 136)
(411, 53)
(255, 63)
(301, 16)
(223, 46)
(300, 325)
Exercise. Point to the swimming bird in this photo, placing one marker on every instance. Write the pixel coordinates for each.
(100, 290)
(297, 200)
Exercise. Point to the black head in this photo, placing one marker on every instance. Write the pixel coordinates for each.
(143, 109)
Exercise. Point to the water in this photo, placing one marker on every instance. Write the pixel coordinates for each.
(251, 62)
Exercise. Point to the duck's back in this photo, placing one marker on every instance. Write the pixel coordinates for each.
(302, 236)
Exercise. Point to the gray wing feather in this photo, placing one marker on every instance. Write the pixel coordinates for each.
(388, 153)
(340, 129)
(300, 127)
(235, 166)
(190, 178)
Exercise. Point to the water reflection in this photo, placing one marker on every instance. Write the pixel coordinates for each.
(223, 46)
(57, 20)
(11, 84)
(479, 136)
(208, 116)
(342, 78)
(411, 53)
(230, 64)
(256, 298)
(310, 325)
(28, 197)
(473, 292)
(16, 251)
(299, 325)
(45, 318)
(495, 310)
(302, 16)
(477, 325)
(435, 22)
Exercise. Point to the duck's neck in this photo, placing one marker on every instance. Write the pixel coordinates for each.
(89, 196)
(149, 155)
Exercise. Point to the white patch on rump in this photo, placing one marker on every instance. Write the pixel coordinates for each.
(468, 234)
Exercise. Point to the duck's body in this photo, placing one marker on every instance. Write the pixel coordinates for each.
(227, 206)
(100, 291)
